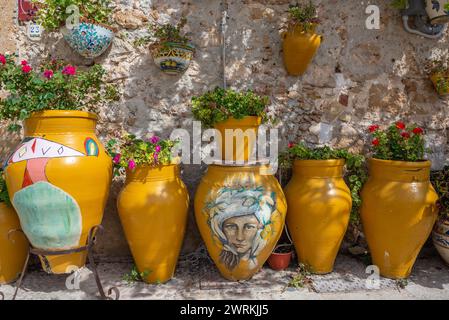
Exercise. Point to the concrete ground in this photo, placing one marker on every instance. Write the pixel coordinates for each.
(197, 278)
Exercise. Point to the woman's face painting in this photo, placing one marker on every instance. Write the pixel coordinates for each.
(240, 232)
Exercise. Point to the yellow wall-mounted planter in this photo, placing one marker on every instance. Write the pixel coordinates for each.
(436, 78)
(240, 212)
(319, 206)
(398, 213)
(299, 49)
(13, 245)
(58, 180)
(233, 149)
(153, 208)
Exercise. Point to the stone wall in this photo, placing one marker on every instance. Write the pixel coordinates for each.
(359, 77)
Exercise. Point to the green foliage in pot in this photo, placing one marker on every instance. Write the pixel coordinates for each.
(398, 142)
(128, 152)
(220, 104)
(303, 15)
(355, 175)
(440, 181)
(161, 34)
(438, 70)
(53, 86)
(4, 196)
(52, 14)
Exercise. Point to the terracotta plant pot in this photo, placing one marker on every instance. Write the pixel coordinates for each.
(437, 11)
(88, 39)
(438, 79)
(172, 57)
(299, 49)
(58, 180)
(13, 245)
(280, 260)
(240, 212)
(233, 148)
(319, 207)
(398, 213)
(440, 236)
(153, 208)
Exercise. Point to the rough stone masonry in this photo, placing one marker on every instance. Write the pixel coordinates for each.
(358, 77)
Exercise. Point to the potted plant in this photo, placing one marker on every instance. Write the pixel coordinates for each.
(49, 174)
(399, 203)
(172, 51)
(439, 75)
(281, 257)
(320, 202)
(13, 246)
(440, 234)
(153, 205)
(227, 111)
(437, 10)
(84, 24)
(300, 42)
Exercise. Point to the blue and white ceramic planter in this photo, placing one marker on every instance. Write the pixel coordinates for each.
(89, 40)
(173, 58)
(440, 238)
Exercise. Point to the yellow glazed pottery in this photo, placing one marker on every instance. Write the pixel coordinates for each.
(153, 208)
(436, 78)
(13, 245)
(299, 48)
(319, 206)
(398, 213)
(232, 148)
(58, 180)
(240, 212)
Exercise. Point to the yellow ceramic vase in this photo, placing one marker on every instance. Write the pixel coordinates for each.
(241, 138)
(319, 207)
(58, 179)
(240, 212)
(153, 208)
(299, 48)
(398, 213)
(13, 245)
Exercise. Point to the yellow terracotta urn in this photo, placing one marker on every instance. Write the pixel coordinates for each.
(398, 213)
(153, 208)
(238, 138)
(13, 245)
(58, 180)
(240, 212)
(319, 207)
(299, 49)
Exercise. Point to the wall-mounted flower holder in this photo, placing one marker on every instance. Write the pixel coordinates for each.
(172, 57)
(26, 10)
(441, 83)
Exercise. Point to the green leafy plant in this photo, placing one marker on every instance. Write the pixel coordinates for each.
(440, 181)
(399, 4)
(303, 15)
(52, 14)
(220, 104)
(301, 279)
(135, 276)
(55, 86)
(161, 34)
(398, 142)
(4, 196)
(355, 175)
(128, 152)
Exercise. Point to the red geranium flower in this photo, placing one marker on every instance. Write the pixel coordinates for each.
(400, 125)
(376, 142)
(2, 59)
(405, 135)
(69, 70)
(373, 128)
(26, 69)
(24, 63)
(291, 145)
(418, 131)
(48, 74)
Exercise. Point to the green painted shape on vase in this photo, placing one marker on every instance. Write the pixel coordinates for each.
(49, 216)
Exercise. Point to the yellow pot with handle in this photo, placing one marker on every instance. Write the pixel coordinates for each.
(240, 212)
(153, 208)
(319, 207)
(58, 180)
(13, 245)
(398, 213)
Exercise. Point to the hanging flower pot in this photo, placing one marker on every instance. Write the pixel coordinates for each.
(441, 83)
(438, 11)
(399, 203)
(300, 42)
(281, 257)
(173, 57)
(240, 212)
(440, 236)
(153, 206)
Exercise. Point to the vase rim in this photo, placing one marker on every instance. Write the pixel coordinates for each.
(64, 114)
(245, 121)
(320, 163)
(399, 163)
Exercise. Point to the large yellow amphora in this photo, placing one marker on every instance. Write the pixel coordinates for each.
(240, 212)
(58, 179)
(153, 208)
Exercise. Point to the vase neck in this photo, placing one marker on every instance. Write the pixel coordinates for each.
(145, 174)
(319, 168)
(402, 171)
(60, 122)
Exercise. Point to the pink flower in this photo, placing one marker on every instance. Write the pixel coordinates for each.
(156, 157)
(291, 145)
(116, 159)
(48, 74)
(26, 69)
(2, 59)
(154, 139)
(131, 164)
(69, 70)
(158, 149)
(24, 63)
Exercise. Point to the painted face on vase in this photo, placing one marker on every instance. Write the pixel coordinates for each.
(240, 232)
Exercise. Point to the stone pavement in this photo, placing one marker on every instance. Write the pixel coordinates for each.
(197, 278)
